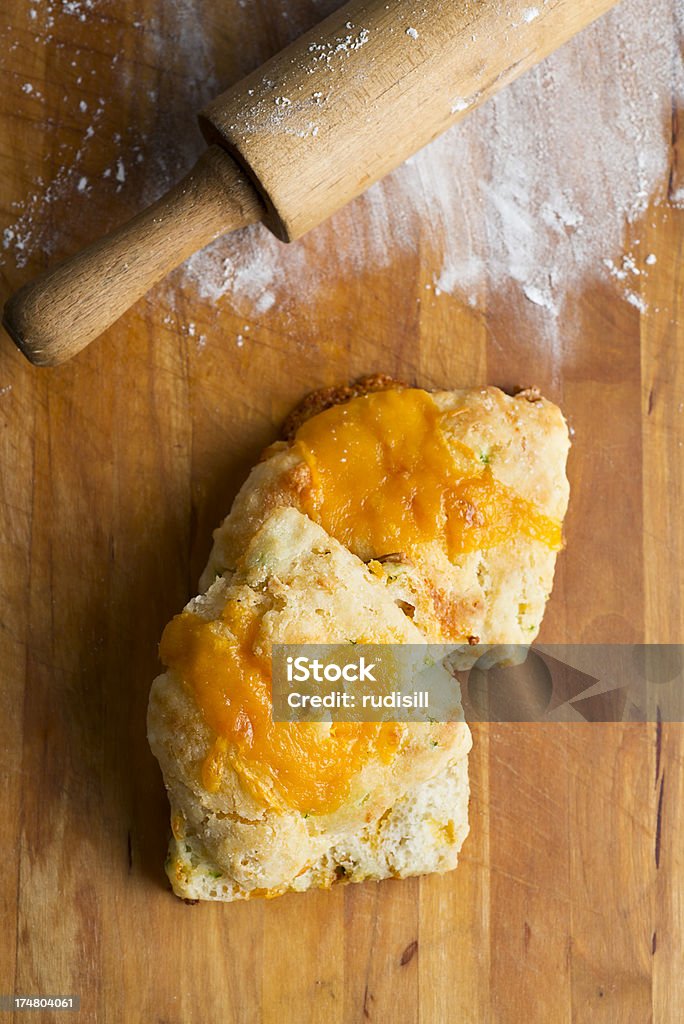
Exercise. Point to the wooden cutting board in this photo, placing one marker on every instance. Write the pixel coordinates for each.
(567, 905)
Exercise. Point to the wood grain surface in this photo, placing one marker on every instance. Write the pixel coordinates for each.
(114, 468)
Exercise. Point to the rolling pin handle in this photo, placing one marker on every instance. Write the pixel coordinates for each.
(54, 317)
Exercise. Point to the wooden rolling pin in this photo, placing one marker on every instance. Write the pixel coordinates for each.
(297, 139)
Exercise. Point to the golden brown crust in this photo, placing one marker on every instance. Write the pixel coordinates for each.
(290, 489)
(530, 394)
(324, 398)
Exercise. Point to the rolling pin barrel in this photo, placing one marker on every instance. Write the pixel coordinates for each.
(297, 139)
(353, 98)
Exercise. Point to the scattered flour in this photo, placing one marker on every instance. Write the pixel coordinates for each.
(45, 217)
(460, 104)
(463, 274)
(636, 300)
(326, 53)
(532, 195)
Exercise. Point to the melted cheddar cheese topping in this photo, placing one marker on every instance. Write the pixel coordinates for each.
(302, 766)
(385, 479)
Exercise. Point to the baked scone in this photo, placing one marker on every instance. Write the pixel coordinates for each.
(455, 499)
(260, 807)
(391, 516)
